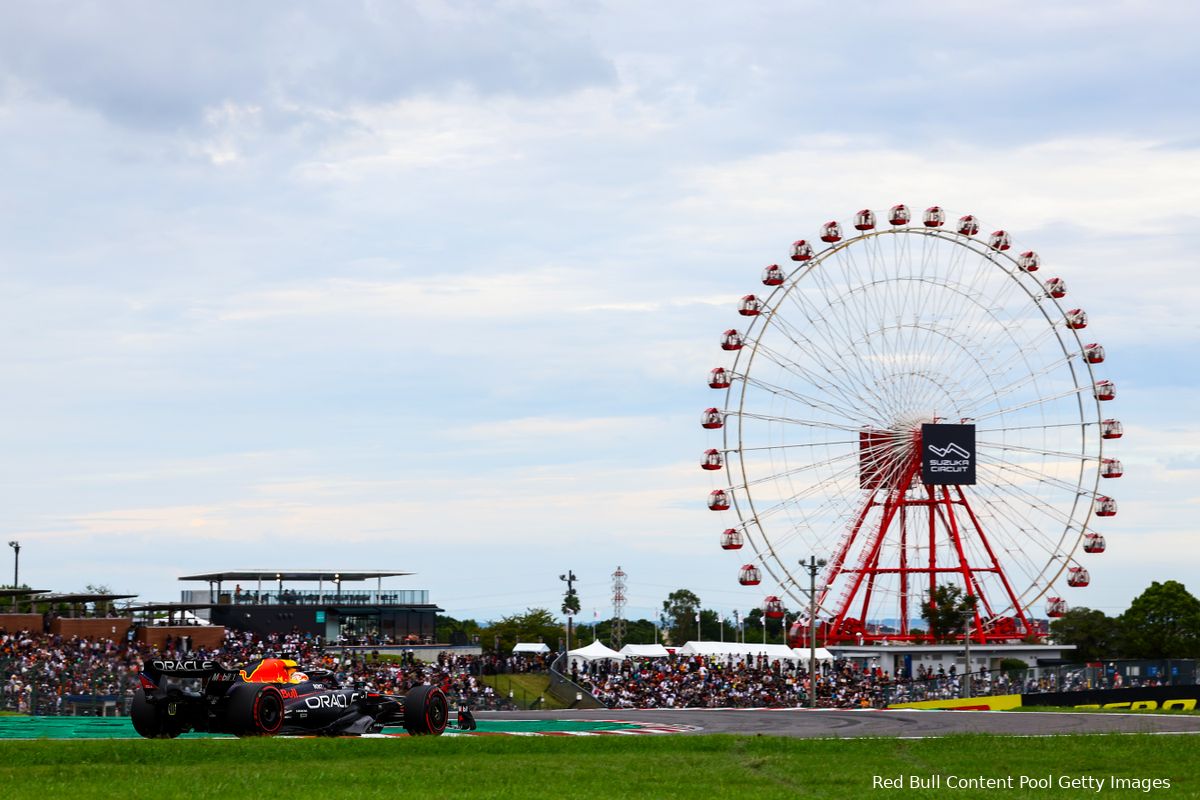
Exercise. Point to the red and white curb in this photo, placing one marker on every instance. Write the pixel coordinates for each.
(637, 729)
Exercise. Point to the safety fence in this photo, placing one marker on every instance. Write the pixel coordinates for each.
(108, 690)
(98, 688)
(44, 703)
(568, 692)
(1122, 674)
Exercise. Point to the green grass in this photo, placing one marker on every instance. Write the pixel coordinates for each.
(526, 687)
(389, 658)
(661, 766)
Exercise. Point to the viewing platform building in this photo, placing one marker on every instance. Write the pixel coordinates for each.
(314, 602)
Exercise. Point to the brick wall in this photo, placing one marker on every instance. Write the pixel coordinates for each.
(92, 628)
(21, 622)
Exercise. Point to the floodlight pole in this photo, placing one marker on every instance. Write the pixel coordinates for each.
(570, 579)
(16, 546)
(967, 659)
(813, 566)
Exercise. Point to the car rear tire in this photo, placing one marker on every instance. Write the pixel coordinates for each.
(426, 711)
(254, 709)
(152, 720)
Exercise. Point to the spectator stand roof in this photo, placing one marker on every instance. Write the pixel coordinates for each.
(82, 597)
(22, 592)
(77, 601)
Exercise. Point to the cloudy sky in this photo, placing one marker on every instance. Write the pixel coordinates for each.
(433, 286)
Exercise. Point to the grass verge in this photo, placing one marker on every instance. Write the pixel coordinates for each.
(666, 766)
(526, 688)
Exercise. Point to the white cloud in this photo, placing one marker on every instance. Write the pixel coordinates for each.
(1105, 185)
(439, 285)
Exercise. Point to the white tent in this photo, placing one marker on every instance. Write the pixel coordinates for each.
(746, 650)
(531, 647)
(822, 654)
(644, 651)
(593, 652)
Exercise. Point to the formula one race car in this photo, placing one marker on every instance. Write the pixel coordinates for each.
(270, 697)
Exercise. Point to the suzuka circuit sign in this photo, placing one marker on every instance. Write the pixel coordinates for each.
(948, 454)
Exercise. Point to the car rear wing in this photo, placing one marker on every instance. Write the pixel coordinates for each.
(184, 668)
(215, 675)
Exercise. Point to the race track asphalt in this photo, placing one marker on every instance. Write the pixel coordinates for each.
(804, 723)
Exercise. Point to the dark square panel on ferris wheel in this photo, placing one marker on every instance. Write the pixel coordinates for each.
(947, 454)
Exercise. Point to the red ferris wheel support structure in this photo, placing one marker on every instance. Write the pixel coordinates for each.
(890, 466)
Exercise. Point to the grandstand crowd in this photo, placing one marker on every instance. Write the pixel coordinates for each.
(709, 682)
(44, 674)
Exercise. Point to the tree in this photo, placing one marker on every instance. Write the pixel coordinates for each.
(449, 628)
(1015, 668)
(640, 631)
(753, 626)
(101, 607)
(637, 631)
(710, 625)
(535, 625)
(947, 611)
(570, 604)
(1094, 634)
(1162, 622)
(679, 612)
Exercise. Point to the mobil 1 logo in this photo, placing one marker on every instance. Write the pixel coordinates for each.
(947, 454)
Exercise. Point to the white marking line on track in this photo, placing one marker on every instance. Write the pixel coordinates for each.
(1095, 714)
(1032, 735)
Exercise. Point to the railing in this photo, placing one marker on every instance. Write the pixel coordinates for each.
(1039, 680)
(308, 597)
(102, 691)
(568, 692)
(99, 693)
(515, 699)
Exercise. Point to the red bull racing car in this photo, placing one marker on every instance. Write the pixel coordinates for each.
(272, 697)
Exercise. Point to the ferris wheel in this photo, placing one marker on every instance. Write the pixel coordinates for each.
(914, 403)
